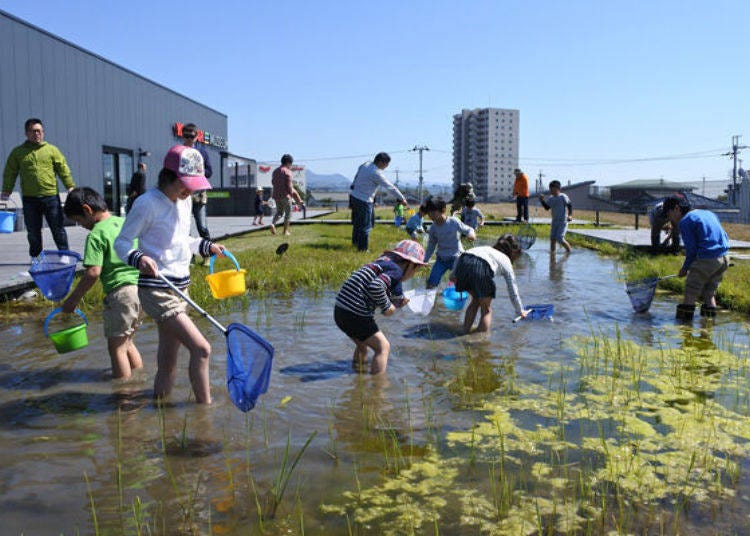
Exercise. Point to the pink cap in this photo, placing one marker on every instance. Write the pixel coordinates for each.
(187, 163)
(411, 251)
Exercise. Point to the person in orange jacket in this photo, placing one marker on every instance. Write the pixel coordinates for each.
(521, 193)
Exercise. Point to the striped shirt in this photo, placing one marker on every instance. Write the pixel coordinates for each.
(364, 291)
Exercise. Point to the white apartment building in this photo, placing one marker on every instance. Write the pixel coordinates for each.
(485, 151)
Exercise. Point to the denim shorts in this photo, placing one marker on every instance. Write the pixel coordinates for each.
(442, 265)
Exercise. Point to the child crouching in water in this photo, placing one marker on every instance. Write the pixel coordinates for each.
(475, 271)
(376, 285)
(160, 220)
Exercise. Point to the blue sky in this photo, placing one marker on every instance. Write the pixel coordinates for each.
(334, 82)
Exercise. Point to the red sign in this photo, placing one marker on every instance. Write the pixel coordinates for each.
(264, 169)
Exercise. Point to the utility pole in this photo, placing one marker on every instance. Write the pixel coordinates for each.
(396, 172)
(420, 148)
(539, 183)
(736, 148)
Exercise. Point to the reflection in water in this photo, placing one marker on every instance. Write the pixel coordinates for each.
(182, 463)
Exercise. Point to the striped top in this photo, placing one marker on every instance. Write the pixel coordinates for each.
(364, 291)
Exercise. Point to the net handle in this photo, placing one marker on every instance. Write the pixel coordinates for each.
(195, 306)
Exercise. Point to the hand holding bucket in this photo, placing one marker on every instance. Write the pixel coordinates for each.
(227, 283)
(68, 339)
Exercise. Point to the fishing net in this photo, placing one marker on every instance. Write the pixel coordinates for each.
(641, 293)
(420, 301)
(249, 359)
(53, 272)
(526, 236)
(541, 311)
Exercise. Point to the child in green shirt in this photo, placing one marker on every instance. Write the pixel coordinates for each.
(122, 309)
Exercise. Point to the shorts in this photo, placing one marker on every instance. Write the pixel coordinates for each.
(359, 328)
(161, 303)
(473, 274)
(557, 230)
(704, 276)
(122, 312)
(442, 265)
(283, 208)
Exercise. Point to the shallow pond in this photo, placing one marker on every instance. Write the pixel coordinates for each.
(559, 427)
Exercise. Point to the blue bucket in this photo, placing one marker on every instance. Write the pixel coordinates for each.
(7, 221)
(541, 311)
(454, 300)
(53, 273)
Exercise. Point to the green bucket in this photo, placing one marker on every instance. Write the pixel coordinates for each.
(68, 339)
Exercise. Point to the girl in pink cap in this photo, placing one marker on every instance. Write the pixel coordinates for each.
(160, 221)
(376, 285)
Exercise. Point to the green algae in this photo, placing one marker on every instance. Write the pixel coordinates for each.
(621, 439)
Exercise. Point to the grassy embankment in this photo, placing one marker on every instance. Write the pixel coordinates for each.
(321, 256)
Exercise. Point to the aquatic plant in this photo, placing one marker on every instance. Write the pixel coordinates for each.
(622, 437)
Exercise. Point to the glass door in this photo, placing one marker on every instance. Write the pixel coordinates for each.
(117, 167)
(108, 190)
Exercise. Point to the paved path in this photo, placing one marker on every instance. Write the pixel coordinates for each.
(640, 238)
(14, 278)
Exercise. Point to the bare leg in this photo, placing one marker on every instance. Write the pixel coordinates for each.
(382, 349)
(123, 359)
(286, 228)
(471, 314)
(134, 356)
(486, 318)
(180, 329)
(565, 244)
(166, 359)
(359, 359)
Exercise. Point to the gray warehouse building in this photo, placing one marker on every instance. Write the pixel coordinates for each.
(103, 117)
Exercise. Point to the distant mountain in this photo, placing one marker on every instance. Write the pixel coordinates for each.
(335, 182)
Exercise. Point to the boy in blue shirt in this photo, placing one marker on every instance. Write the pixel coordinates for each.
(471, 215)
(558, 204)
(706, 247)
(445, 236)
(415, 225)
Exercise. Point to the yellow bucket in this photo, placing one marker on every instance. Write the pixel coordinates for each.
(227, 283)
(68, 339)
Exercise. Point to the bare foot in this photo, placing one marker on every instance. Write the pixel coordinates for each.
(273, 229)
(287, 233)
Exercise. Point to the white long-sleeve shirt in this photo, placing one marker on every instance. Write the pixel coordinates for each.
(368, 179)
(162, 227)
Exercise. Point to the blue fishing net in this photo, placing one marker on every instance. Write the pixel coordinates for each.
(249, 359)
(541, 311)
(641, 293)
(53, 273)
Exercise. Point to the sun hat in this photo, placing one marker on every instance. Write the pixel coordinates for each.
(187, 164)
(409, 250)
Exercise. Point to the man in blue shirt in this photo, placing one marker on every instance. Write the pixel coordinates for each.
(706, 247)
(366, 182)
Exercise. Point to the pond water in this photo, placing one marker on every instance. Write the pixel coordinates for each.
(84, 455)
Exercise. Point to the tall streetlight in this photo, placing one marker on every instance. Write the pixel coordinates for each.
(420, 148)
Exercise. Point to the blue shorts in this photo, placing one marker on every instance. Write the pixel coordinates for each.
(557, 230)
(442, 265)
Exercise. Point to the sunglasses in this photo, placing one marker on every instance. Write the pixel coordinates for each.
(189, 135)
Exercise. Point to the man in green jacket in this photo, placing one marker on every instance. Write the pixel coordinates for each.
(39, 164)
